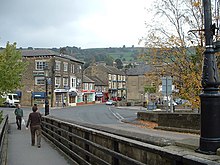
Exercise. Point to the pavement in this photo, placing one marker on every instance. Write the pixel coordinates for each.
(20, 151)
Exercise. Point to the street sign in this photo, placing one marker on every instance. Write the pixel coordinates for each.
(49, 82)
(167, 85)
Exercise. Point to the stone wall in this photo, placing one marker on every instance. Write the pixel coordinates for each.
(184, 122)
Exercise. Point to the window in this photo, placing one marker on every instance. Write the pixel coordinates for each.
(65, 82)
(78, 82)
(72, 69)
(73, 83)
(40, 65)
(57, 65)
(110, 85)
(114, 77)
(10, 97)
(86, 86)
(79, 68)
(119, 77)
(65, 66)
(39, 81)
(90, 86)
(57, 82)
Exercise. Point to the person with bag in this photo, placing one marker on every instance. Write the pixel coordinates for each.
(34, 120)
(19, 115)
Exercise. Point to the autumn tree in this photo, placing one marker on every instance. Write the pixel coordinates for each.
(175, 45)
(11, 68)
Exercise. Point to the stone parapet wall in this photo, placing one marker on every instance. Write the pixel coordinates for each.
(178, 121)
(91, 146)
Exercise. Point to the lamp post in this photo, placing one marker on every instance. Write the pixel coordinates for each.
(46, 89)
(210, 98)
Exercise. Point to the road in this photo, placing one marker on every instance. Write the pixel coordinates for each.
(95, 114)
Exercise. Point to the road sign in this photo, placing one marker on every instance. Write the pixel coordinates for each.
(167, 85)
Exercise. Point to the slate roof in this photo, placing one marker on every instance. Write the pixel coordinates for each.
(115, 70)
(139, 70)
(97, 81)
(47, 52)
(87, 79)
(104, 68)
(108, 69)
(38, 52)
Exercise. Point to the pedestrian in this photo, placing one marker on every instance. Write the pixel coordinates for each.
(34, 120)
(19, 114)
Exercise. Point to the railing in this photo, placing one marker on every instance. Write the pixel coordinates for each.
(90, 146)
(3, 140)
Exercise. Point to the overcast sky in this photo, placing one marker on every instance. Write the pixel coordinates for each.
(80, 23)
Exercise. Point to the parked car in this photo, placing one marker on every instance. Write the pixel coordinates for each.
(110, 102)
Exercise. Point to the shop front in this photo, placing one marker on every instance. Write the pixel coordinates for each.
(88, 96)
(72, 98)
(61, 97)
(98, 97)
(38, 98)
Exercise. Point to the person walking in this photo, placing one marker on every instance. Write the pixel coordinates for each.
(19, 114)
(34, 120)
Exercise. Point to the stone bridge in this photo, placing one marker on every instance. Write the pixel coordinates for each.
(66, 143)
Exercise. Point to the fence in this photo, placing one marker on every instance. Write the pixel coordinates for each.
(3, 140)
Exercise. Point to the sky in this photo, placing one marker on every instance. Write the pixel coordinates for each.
(80, 23)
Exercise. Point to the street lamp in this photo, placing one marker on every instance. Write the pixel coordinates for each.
(46, 74)
(210, 98)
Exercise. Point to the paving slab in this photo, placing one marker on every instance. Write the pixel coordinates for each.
(191, 143)
(20, 151)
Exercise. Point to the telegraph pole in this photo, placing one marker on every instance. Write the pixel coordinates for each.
(210, 97)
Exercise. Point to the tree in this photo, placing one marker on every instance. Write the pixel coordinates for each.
(109, 60)
(177, 52)
(63, 50)
(119, 63)
(11, 68)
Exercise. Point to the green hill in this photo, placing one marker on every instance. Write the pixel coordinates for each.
(108, 55)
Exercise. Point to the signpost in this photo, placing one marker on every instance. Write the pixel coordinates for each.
(167, 88)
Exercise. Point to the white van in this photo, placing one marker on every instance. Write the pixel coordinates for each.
(11, 99)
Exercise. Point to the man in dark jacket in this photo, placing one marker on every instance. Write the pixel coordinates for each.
(19, 114)
(34, 120)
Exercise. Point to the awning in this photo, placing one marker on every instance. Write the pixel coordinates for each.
(18, 93)
(38, 94)
(73, 94)
(99, 94)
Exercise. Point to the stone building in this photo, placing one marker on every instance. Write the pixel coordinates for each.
(88, 91)
(64, 78)
(101, 89)
(136, 81)
(112, 76)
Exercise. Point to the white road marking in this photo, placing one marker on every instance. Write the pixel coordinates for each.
(117, 115)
